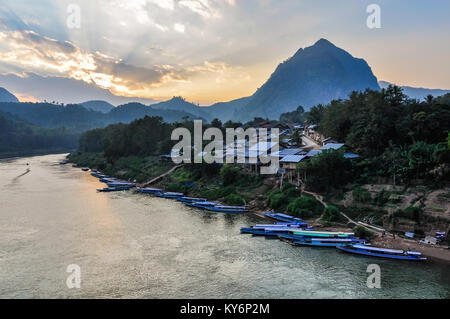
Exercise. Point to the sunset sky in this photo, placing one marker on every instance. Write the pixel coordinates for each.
(206, 50)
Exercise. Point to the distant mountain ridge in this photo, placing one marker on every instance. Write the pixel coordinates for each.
(314, 75)
(79, 118)
(417, 93)
(98, 105)
(6, 96)
(178, 103)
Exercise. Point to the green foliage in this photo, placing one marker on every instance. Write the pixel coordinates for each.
(305, 206)
(229, 174)
(413, 213)
(315, 115)
(362, 195)
(297, 116)
(328, 169)
(20, 137)
(235, 199)
(381, 198)
(331, 214)
(175, 187)
(398, 137)
(363, 233)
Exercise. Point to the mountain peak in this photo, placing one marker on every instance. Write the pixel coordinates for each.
(314, 75)
(323, 43)
(6, 96)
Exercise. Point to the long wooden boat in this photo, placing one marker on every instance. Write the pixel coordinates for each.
(149, 190)
(227, 209)
(323, 234)
(266, 231)
(382, 252)
(202, 205)
(283, 217)
(185, 199)
(169, 195)
(329, 242)
(121, 184)
(113, 189)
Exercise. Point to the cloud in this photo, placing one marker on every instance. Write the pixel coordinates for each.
(23, 52)
(179, 27)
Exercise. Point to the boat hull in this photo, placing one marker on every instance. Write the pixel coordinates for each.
(378, 255)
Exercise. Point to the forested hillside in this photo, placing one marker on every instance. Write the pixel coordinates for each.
(19, 137)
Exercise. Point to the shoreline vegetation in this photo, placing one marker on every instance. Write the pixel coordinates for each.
(398, 182)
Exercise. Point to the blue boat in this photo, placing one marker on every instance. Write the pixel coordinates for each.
(329, 242)
(283, 217)
(121, 184)
(169, 195)
(266, 231)
(382, 252)
(202, 205)
(191, 199)
(149, 190)
(113, 189)
(227, 209)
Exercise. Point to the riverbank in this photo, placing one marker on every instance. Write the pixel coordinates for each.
(137, 246)
(258, 193)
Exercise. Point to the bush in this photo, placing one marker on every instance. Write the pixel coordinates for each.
(234, 199)
(305, 206)
(381, 198)
(331, 214)
(276, 200)
(363, 233)
(412, 213)
(361, 195)
(229, 174)
(176, 187)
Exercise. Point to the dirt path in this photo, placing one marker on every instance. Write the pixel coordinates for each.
(320, 199)
(156, 179)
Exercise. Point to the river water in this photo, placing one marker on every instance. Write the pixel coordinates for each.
(135, 246)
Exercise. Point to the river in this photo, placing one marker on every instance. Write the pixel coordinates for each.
(135, 246)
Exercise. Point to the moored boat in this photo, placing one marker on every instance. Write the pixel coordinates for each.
(202, 205)
(169, 195)
(149, 190)
(283, 217)
(85, 169)
(322, 234)
(271, 231)
(121, 184)
(227, 209)
(113, 189)
(185, 199)
(329, 242)
(382, 252)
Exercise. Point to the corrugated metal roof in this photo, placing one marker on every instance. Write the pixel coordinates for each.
(351, 155)
(287, 151)
(332, 146)
(313, 153)
(292, 158)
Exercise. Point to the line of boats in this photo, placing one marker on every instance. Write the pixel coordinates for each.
(287, 228)
(117, 185)
(294, 231)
